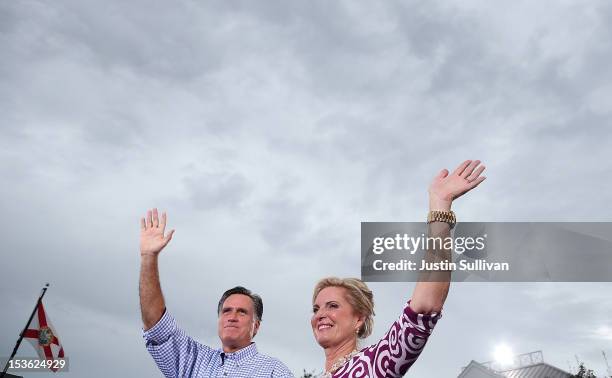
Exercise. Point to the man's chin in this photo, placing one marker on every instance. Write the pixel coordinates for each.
(230, 339)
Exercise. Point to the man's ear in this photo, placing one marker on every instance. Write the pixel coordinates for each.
(256, 325)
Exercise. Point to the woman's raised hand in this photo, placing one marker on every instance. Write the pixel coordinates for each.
(445, 188)
(152, 229)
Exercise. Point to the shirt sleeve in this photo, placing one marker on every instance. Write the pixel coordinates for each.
(400, 347)
(174, 353)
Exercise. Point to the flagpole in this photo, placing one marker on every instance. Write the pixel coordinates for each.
(42, 294)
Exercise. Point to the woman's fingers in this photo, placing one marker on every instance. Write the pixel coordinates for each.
(477, 182)
(143, 226)
(476, 173)
(469, 169)
(462, 167)
(443, 174)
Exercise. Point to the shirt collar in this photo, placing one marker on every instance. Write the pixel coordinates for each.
(240, 355)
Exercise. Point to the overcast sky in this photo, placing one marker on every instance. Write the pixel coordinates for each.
(268, 131)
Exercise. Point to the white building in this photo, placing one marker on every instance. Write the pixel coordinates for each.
(528, 365)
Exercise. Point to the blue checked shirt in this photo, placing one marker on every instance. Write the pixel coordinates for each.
(178, 355)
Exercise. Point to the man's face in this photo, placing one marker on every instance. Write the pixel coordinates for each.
(237, 324)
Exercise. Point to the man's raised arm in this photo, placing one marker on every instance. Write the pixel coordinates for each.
(152, 241)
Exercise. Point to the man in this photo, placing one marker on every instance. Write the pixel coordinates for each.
(178, 355)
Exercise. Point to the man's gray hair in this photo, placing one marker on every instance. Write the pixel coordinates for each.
(257, 301)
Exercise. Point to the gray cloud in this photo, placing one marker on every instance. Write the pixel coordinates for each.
(268, 131)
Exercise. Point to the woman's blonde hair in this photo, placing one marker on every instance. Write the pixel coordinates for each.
(359, 296)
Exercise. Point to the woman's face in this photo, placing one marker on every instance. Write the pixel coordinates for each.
(333, 320)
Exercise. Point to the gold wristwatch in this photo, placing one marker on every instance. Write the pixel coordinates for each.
(442, 216)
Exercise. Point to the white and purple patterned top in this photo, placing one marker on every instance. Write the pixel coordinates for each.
(398, 349)
(178, 355)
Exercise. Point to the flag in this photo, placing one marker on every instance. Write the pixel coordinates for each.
(41, 334)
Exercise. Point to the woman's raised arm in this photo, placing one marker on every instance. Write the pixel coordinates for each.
(431, 290)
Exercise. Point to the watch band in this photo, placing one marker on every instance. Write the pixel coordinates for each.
(442, 216)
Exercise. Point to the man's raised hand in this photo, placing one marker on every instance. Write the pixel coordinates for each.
(152, 229)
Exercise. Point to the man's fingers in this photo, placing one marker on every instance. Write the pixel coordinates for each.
(152, 220)
(462, 167)
(162, 223)
(169, 237)
(148, 219)
(155, 218)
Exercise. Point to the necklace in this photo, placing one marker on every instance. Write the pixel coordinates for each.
(339, 362)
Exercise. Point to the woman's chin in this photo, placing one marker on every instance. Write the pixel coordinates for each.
(324, 341)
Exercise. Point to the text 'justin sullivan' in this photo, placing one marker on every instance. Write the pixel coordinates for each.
(463, 265)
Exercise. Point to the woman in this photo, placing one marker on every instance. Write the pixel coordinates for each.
(343, 309)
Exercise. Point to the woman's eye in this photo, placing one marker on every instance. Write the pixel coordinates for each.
(315, 309)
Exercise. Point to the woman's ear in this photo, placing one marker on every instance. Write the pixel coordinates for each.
(359, 323)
